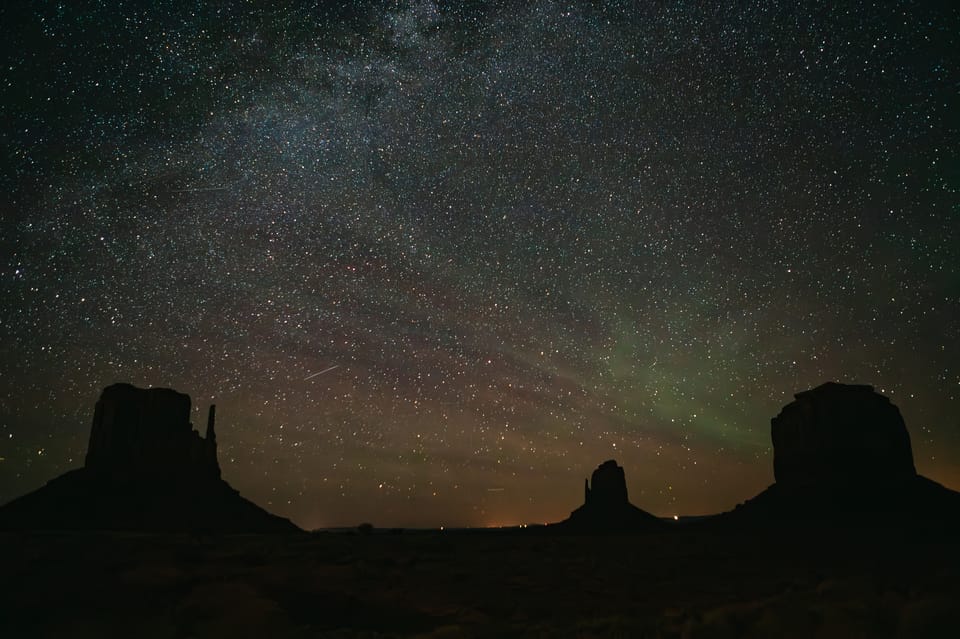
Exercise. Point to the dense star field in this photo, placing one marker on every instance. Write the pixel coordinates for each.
(436, 261)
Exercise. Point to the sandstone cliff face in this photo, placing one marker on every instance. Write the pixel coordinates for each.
(840, 434)
(147, 434)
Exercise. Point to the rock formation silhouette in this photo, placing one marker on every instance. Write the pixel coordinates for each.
(842, 453)
(840, 433)
(146, 469)
(606, 507)
(146, 433)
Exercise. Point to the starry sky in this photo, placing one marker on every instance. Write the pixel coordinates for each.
(435, 261)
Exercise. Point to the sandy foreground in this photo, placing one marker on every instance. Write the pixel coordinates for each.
(481, 584)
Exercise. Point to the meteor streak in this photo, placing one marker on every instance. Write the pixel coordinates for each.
(201, 189)
(326, 370)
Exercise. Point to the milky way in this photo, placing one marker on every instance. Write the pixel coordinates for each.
(516, 239)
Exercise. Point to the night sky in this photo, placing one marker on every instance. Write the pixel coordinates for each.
(434, 262)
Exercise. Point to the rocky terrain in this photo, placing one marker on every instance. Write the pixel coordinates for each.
(681, 583)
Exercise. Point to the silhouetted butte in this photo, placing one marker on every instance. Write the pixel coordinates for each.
(842, 453)
(606, 507)
(146, 469)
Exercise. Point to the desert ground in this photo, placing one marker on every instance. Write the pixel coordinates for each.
(520, 583)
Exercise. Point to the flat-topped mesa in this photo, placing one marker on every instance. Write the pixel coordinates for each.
(840, 433)
(145, 433)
